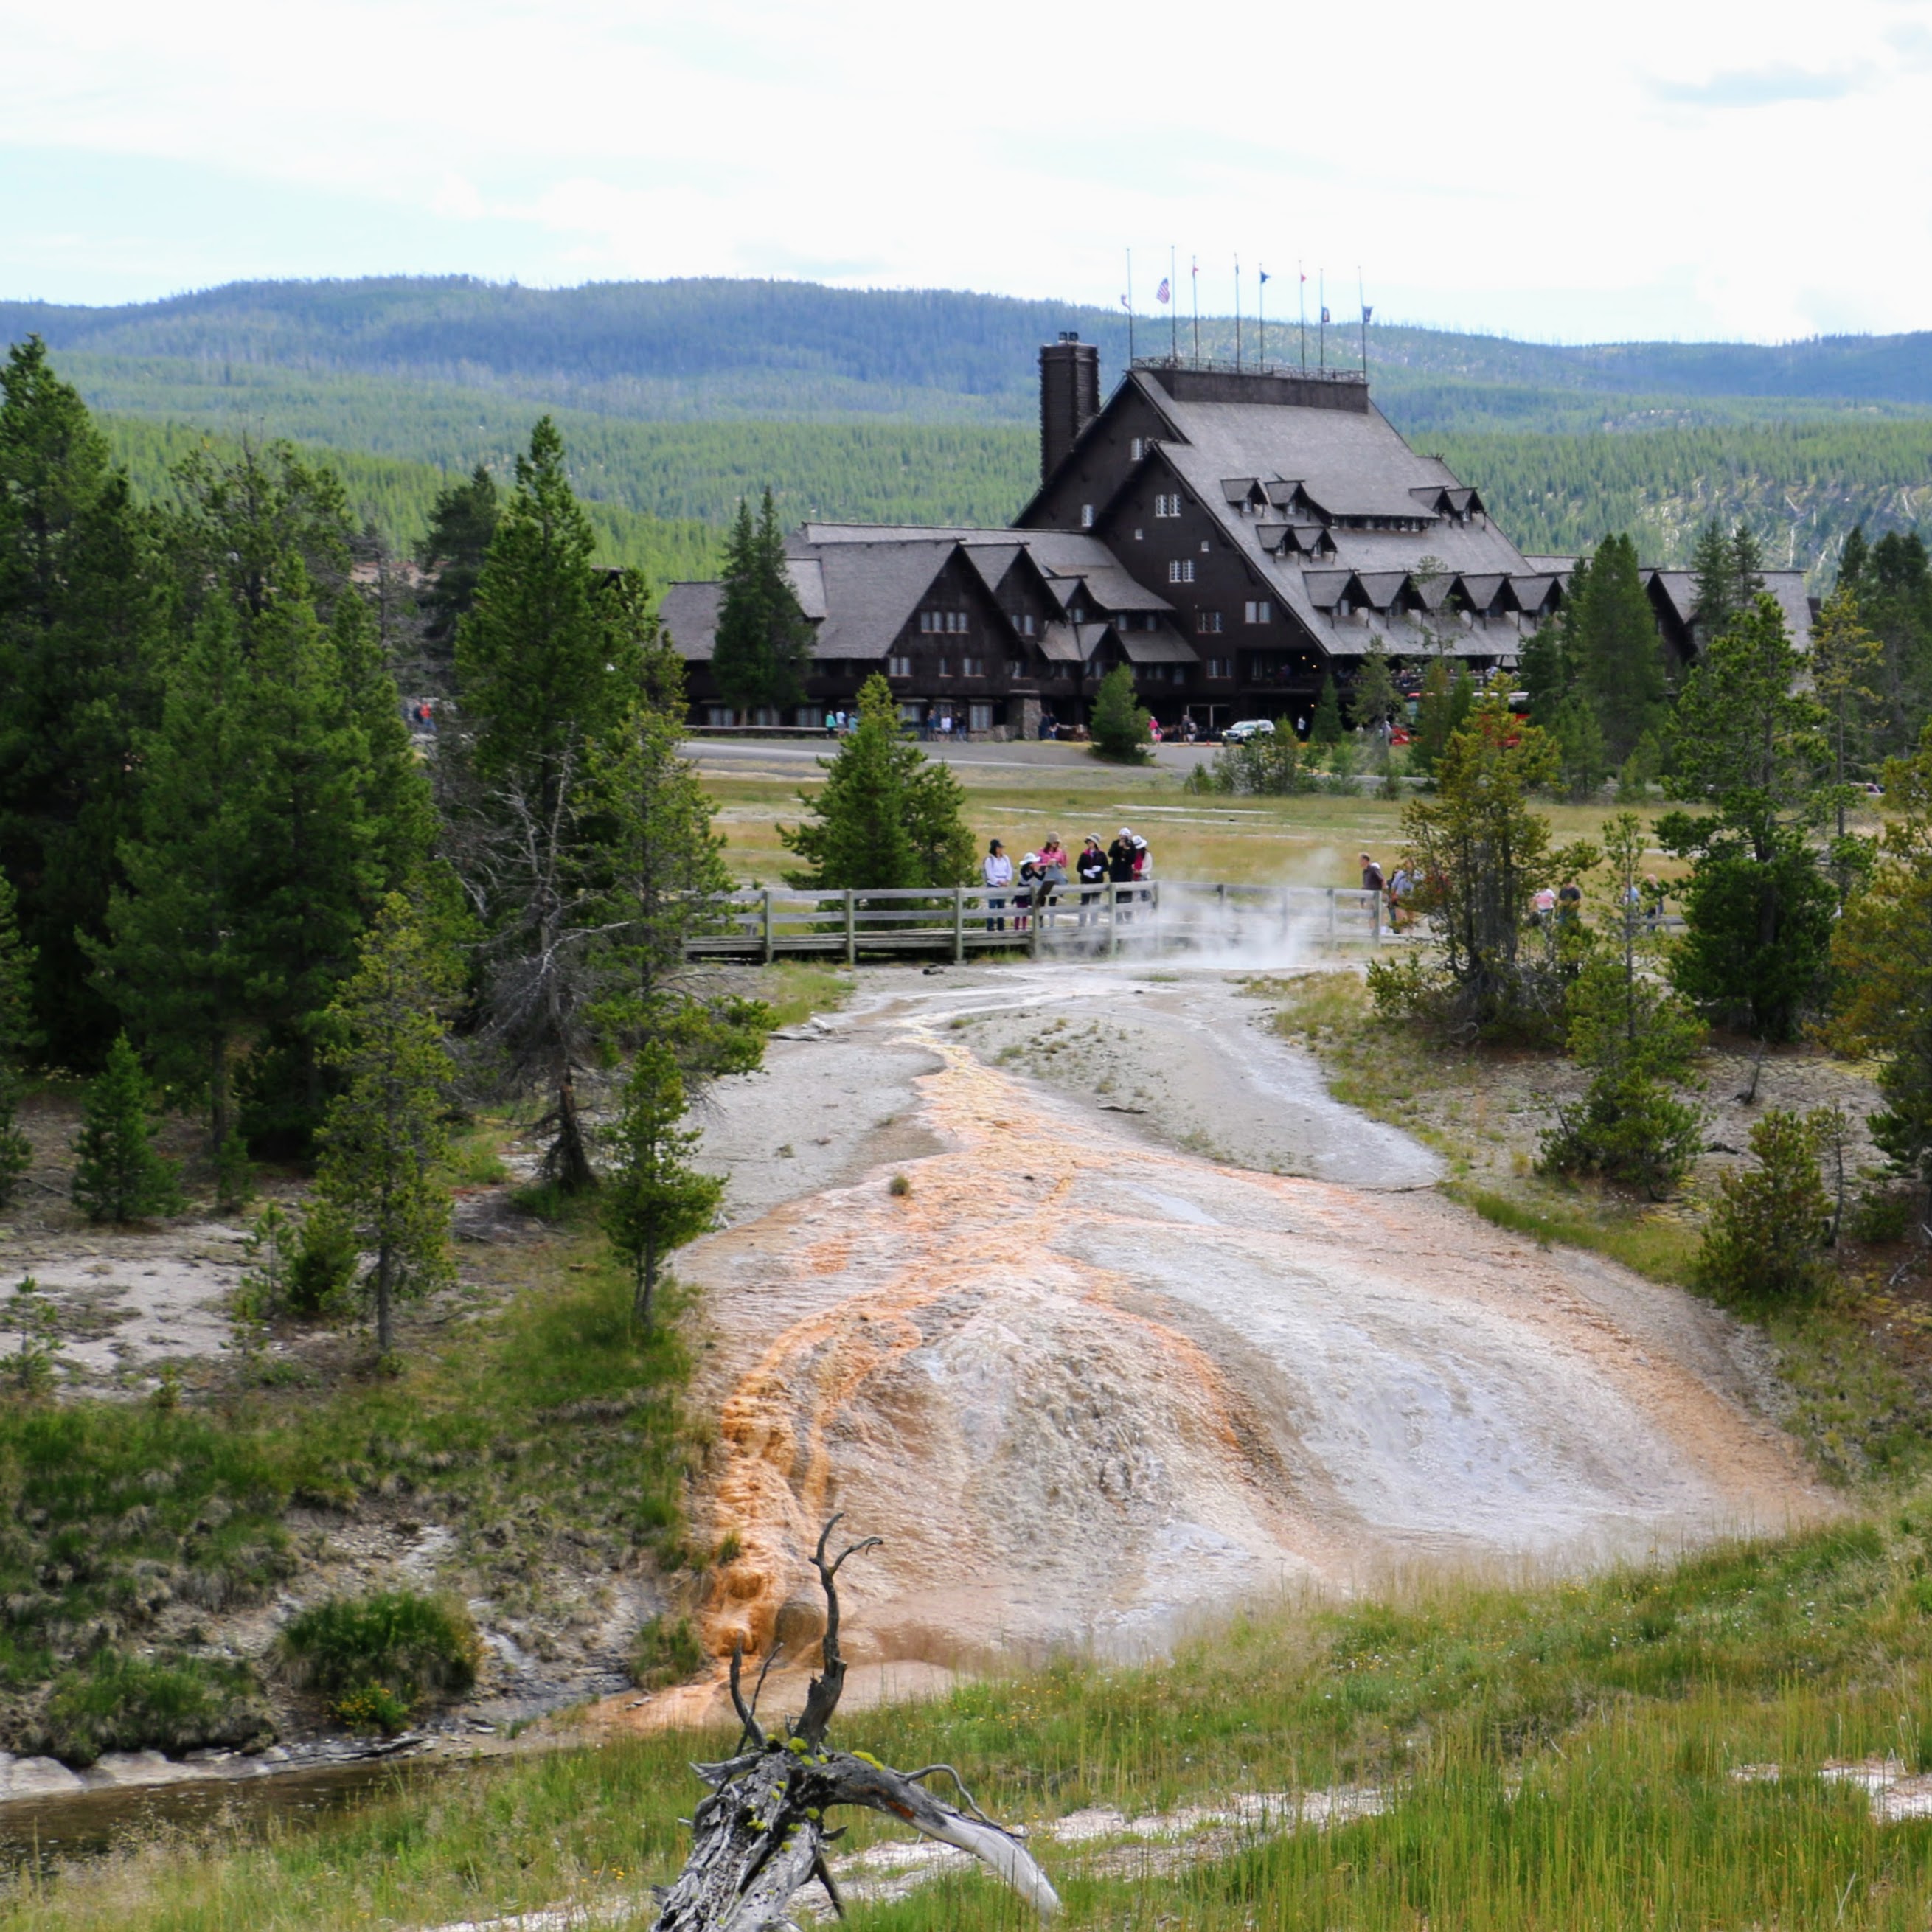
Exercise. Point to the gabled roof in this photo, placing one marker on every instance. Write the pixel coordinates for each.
(1058, 644)
(1382, 587)
(689, 614)
(1480, 592)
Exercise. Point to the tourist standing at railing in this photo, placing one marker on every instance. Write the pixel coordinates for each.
(1120, 871)
(1143, 867)
(1092, 867)
(1029, 889)
(1052, 870)
(1372, 875)
(997, 870)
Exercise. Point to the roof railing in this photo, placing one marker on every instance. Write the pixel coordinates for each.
(1245, 368)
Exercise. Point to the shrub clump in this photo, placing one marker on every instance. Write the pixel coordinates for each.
(115, 1702)
(408, 1647)
(667, 1652)
(1766, 1238)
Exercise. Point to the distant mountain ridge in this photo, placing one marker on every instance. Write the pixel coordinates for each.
(706, 347)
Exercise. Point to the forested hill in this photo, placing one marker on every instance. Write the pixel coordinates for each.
(768, 349)
(676, 398)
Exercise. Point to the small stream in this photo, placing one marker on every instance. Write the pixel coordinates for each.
(38, 1833)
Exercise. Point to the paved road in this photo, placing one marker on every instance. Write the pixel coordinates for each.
(790, 754)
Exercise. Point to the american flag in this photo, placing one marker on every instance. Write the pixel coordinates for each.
(1163, 293)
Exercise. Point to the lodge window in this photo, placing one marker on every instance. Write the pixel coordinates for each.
(1258, 610)
(978, 717)
(1167, 506)
(1207, 623)
(1014, 668)
(1180, 570)
(1086, 516)
(898, 667)
(945, 668)
(1220, 667)
(1135, 450)
(942, 621)
(972, 666)
(1026, 626)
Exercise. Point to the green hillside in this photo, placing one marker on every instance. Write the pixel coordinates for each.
(395, 496)
(678, 398)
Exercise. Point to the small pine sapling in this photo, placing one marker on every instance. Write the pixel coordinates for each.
(1766, 1238)
(652, 1203)
(385, 1138)
(119, 1176)
(1325, 728)
(1119, 726)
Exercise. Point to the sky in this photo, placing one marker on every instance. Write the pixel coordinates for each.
(1677, 169)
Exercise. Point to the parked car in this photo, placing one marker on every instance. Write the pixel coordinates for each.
(1244, 729)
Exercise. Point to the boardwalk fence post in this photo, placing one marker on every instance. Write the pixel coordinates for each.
(1375, 918)
(1331, 917)
(1113, 921)
(769, 952)
(958, 925)
(851, 931)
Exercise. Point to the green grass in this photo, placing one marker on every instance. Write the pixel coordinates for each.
(410, 1644)
(1558, 1755)
(795, 989)
(1644, 1242)
(546, 1427)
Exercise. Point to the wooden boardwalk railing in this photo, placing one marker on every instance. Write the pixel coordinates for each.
(1161, 916)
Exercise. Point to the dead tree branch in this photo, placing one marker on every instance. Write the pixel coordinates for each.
(759, 1836)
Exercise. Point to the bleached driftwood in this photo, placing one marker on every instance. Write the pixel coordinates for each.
(761, 1836)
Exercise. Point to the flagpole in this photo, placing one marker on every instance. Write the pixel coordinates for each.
(1173, 311)
(1194, 276)
(1261, 320)
(1130, 308)
(1237, 312)
(1301, 308)
(1321, 328)
(1359, 292)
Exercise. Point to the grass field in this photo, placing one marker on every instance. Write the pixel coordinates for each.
(1550, 1755)
(1304, 840)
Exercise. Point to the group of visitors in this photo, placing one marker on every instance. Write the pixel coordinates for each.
(1042, 874)
(1561, 906)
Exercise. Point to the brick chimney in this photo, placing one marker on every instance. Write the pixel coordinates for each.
(1069, 396)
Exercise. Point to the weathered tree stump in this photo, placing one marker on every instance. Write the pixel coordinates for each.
(761, 1836)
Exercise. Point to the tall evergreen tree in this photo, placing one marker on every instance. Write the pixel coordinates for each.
(173, 962)
(1325, 728)
(1750, 745)
(1844, 668)
(1727, 573)
(667, 885)
(1892, 581)
(1616, 651)
(80, 630)
(551, 663)
(1373, 697)
(546, 660)
(16, 1039)
(461, 524)
(385, 1139)
(763, 642)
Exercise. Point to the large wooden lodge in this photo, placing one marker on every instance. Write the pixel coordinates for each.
(1233, 535)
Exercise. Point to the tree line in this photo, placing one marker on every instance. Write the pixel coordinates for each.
(229, 879)
(1793, 924)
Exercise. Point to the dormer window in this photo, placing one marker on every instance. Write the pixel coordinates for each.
(1086, 516)
(1136, 450)
(1167, 505)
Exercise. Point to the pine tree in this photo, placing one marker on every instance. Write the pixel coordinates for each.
(171, 963)
(1326, 727)
(1582, 759)
(1845, 665)
(668, 885)
(1750, 745)
(79, 646)
(17, 1038)
(1372, 698)
(1544, 669)
(1714, 600)
(544, 662)
(1119, 724)
(117, 1175)
(384, 1140)
(1617, 654)
(763, 642)
(1894, 591)
(653, 1202)
(886, 818)
(1882, 982)
(461, 524)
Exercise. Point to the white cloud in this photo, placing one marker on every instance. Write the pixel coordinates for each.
(1677, 169)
